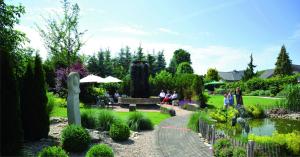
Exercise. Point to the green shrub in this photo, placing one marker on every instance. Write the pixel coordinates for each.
(239, 152)
(137, 121)
(220, 114)
(222, 148)
(119, 132)
(289, 140)
(100, 150)
(193, 123)
(220, 91)
(292, 95)
(89, 119)
(169, 111)
(52, 152)
(75, 138)
(105, 119)
(51, 102)
(255, 111)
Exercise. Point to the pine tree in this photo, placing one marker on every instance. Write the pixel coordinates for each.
(139, 55)
(41, 128)
(249, 72)
(160, 62)
(93, 64)
(151, 62)
(283, 63)
(107, 63)
(101, 65)
(11, 124)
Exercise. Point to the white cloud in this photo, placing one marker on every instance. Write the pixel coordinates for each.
(165, 30)
(127, 30)
(36, 41)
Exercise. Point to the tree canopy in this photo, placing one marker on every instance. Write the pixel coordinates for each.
(283, 65)
(212, 75)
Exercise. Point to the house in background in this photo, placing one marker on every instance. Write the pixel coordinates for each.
(270, 72)
(231, 76)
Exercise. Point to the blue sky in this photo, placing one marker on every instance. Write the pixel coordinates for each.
(219, 34)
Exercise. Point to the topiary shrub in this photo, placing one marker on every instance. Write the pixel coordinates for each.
(100, 150)
(52, 151)
(89, 119)
(119, 131)
(137, 121)
(105, 119)
(75, 138)
(222, 148)
(239, 152)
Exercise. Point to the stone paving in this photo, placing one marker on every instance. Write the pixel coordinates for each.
(174, 139)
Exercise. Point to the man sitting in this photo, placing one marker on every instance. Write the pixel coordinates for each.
(162, 95)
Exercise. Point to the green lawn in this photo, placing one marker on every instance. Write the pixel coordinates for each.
(218, 101)
(155, 117)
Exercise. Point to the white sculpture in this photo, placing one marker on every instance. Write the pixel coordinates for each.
(73, 99)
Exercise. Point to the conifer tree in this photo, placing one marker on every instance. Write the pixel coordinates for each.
(11, 124)
(41, 100)
(283, 65)
(249, 72)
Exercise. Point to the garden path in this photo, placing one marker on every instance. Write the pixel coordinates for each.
(174, 139)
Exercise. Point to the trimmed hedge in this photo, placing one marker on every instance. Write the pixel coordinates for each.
(119, 132)
(74, 138)
(53, 151)
(100, 150)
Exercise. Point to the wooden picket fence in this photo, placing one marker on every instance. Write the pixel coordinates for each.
(209, 132)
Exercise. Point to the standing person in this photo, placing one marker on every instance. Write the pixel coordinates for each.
(226, 101)
(162, 95)
(230, 98)
(238, 97)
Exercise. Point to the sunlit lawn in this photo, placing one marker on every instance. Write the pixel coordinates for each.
(155, 117)
(218, 101)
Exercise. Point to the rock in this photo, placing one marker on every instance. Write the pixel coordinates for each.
(95, 135)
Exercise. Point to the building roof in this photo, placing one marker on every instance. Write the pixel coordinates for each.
(232, 75)
(270, 72)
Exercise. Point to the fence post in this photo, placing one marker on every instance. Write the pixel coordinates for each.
(213, 134)
(250, 148)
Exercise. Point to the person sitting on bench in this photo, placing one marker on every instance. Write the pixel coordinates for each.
(167, 98)
(162, 95)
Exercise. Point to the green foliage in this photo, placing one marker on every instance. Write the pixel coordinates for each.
(212, 75)
(184, 68)
(220, 91)
(239, 152)
(198, 87)
(249, 72)
(193, 123)
(51, 102)
(167, 110)
(179, 56)
(138, 121)
(220, 114)
(52, 152)
(139, 77)
(119, 131)
(89, 119)
(222, 148)
(105, 119)
(162, 80)
(289, 140)
(75, 138)
(255, 111)
(183, 85)
(283, 65)
(100, 150)
(11, 123)
(49, 74)
(292, 95)
(63, 47)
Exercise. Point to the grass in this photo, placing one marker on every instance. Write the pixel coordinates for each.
(155, 117)
(218, 101)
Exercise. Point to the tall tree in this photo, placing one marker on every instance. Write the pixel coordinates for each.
(283, 65)
(179, 56)
(92, 64)
(249, 72)
(62, 37)
(11, 124)
(212, 75)
(184, 68)
(107, 63)
(160, 62)
(139, 55)
(41, 128)
(11, 41)
(198, 87)
(151, 62)
(128, 58)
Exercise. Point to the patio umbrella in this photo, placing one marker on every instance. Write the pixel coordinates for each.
(92, 79)
(111, 79)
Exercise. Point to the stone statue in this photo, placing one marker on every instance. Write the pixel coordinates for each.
(73, 99)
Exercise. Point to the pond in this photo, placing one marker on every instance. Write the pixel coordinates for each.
(267, 126)
(262, 127)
